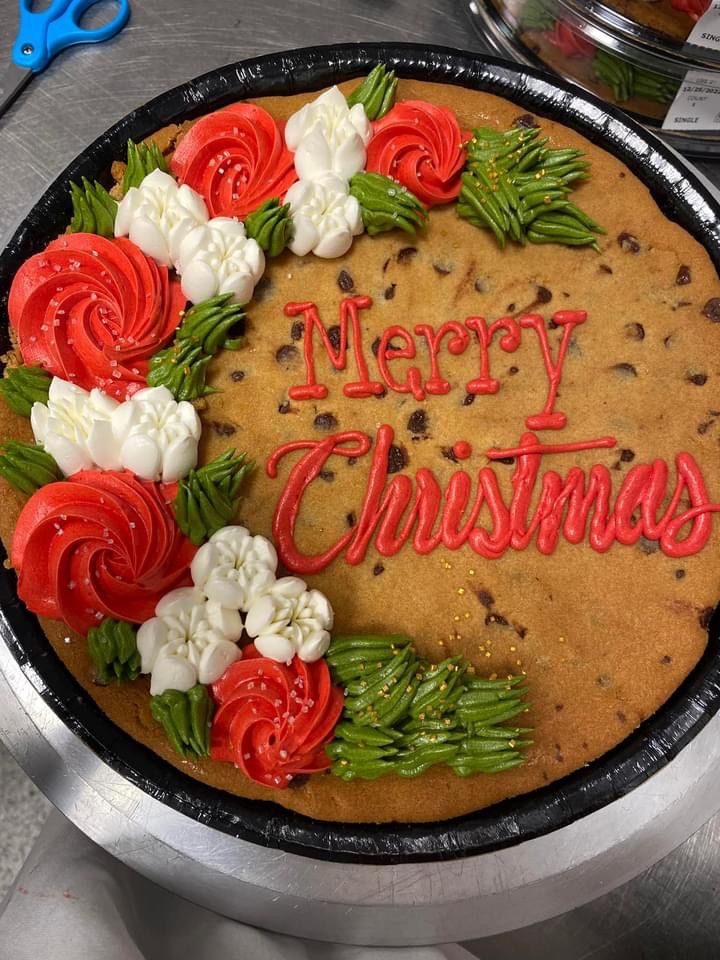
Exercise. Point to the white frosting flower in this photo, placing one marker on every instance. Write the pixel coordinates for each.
(75, 427)
(218, 257)
(158, 437)
(234, 568)
(328, 136)
(190, 640)
(158, 214)
(290, 620)
(151, 433)
(325, 217)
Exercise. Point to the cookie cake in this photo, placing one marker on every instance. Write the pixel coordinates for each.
(359, 449)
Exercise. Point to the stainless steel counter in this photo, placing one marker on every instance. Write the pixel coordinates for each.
(671, 910)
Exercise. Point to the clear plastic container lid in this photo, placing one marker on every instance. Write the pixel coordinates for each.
(634, 53)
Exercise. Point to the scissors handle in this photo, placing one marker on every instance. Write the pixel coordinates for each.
(44, 34)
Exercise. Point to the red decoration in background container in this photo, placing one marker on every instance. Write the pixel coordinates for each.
(274, 719)
(693, 8)
(569, 42)
(93, 311)
(236, 158)
(422, 146)
(101, 544)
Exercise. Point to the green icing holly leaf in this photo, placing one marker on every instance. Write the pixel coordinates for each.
(386, 205)
(113, 648)
(404, 715)
(142, 159)
(21, 387)
(271, 226)
(208, 498)
(94, 210)
(376, 93)
(27, 466)
(186, 718)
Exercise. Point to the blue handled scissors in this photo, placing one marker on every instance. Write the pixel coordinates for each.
(43, 34)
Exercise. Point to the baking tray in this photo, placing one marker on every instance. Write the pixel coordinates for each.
(653, 745)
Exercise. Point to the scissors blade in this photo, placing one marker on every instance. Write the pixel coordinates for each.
(11, 83)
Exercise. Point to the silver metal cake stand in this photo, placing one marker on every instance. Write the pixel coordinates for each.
(416, 903)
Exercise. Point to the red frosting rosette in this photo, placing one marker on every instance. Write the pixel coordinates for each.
(569, 42)
(92, 311)
(422, 146)
(693, 8)
(236, 158)
(274, 719)
(102, 544)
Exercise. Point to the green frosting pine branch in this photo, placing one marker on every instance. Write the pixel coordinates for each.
(113, 648)
(208, 498)
(271, 226)
(403, 714)
(626, 80)
(142, 159)
(517, 187)
(27, 466)
(186, 718)
(376, 93)
(538, 15)
(94, 210)
(21, 387)
(212, 325)
(385, 204)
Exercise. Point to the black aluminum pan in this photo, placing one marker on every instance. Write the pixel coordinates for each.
(681, 196)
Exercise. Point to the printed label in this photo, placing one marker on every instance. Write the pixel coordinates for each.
(706, 32)
(697, 103)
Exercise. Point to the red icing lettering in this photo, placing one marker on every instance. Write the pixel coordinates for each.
(396, 511)
(568, 320)
(457, 344)
(509, 342)
(349, 316)
(462, 449)
(413, 378)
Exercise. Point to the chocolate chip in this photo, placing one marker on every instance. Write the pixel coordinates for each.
(327, 475)
(286, 354)
(442, 268)
(284, 407)
(485, 598)
(223, 429)
(378, 569)
(603, 680)
(334, 336)
(628, 242)
(390, 291)
(526, 120)
(667, 341)
(544, 295)
(513, 370)
(386, 264)
(621, 716)
(449, 454)
(648, 546)
(705, 617)
(480, 285)
(351, 461)
(397, 458)
(345, 281)
(468, 399)
(497, 619)
(325, 421)
(375, 345)
(634, 331)
(508, 461)
(520, 630)
(511, 307)
(297, 329)
(406, 254)
(418, 422)
(699, 379)
(605, 268)
(683, 276)
(351, 518)
(553, 324)
(704, 427)
(679, 573)
(381, 395)
(624, 370)
(237, 375)
(559, 707)
(298, 780)
(627, 456)
(711, 310)
(666, 660)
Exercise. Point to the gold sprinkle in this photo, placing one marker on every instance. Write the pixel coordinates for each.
(467, 616)
(456, 617)
(518, 662)
(513, 649)
(441, 643)
(443, 686)
(471, 572)
(493, 676)
(561, 639)
(488, 654)
(461, 591)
